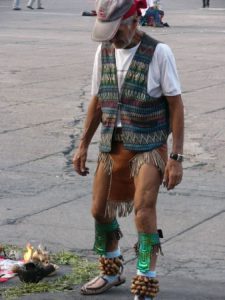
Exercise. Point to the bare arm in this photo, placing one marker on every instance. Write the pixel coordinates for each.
(91, 124)
(174, 171)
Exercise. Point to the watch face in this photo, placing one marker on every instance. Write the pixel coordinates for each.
(177, 157)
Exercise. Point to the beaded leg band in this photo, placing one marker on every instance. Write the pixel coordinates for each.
(111, 266)
(105, 233)
(143, 286)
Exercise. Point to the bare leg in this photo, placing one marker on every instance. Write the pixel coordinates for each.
(100, 194)
(30, 3)
(16, 4)
(147, 185)
(39, 4)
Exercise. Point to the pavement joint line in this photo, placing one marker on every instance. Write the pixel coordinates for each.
(48, 67)
(30, 126)
(222, 83)
(194, 226)
(32, 160)
(34, 172)
(21, 218)
(202, 31)
(217, 9)
(203, 69)
(186, 194)
(40, 82)
(40, 191)
(215, 110)
(42, 101)
(46, 13)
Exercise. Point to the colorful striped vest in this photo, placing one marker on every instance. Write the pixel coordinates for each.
(145, 120)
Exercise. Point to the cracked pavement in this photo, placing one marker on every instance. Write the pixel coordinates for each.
(45, 80)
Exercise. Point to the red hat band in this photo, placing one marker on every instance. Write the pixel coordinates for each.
(135, 8)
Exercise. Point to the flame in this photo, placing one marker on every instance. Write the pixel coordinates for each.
(28, 254)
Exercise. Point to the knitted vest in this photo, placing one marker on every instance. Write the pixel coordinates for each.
(145, 120)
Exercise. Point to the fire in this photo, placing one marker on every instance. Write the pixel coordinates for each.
(28, 254)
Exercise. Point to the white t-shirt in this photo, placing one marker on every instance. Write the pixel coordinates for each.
(162, 76)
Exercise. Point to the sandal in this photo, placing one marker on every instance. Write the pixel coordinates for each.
(88, 290)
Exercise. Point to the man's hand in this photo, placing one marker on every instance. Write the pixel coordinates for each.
(79, 161)
(173, 174)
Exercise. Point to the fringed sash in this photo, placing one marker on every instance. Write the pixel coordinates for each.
(121, 166)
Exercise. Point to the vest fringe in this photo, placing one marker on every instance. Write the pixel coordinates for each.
(122, 209)
(145, 158)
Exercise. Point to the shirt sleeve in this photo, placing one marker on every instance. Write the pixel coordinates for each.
(167, 70)
(97, 70)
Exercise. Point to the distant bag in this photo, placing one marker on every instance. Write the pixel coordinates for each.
(89, 14)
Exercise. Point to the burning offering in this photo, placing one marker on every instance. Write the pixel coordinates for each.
(36, 265)
(33, 272)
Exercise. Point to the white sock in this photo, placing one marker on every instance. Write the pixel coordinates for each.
(146, 298)
(113, 254)
(150, 274)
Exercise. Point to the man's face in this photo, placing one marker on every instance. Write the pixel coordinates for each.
(125, 34)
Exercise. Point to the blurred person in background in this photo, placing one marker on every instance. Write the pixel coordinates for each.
(153, 15)
(16, 4)
(31, 2)
(205, 3)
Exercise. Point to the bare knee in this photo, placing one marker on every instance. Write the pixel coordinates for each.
(143, 214)
(97, 214)
(145, 219)
(145, 201)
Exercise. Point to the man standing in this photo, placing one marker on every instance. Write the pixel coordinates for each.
(31, 2)
(16, 4)
(205, 3)
(136, 97)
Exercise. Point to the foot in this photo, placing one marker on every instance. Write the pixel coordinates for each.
(166, 25)
(16, 8)
(100, 284)
(40, 7)
(30, 7)
(158, 25)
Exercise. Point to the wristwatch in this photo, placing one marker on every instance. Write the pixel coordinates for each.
(177, 156)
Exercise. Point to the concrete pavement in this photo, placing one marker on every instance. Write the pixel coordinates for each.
(46, 61)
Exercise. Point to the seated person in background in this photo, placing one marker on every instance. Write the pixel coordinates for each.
(152, 16)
